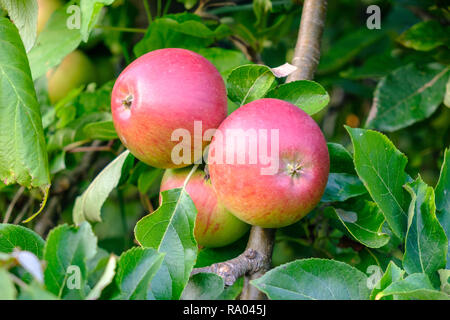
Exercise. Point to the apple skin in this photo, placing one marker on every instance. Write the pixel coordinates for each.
(273, 201)
(169, 89)
(214, 225)
(45, 11)
(74, 71)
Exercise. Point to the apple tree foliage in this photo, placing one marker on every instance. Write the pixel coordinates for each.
(75, 204)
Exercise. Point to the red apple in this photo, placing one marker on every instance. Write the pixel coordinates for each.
(279, 193)
(214, 225)
(160, 92)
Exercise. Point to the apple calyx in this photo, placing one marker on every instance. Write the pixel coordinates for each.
(294, 169)
(128, 101)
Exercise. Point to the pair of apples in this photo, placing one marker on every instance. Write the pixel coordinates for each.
(168, 89)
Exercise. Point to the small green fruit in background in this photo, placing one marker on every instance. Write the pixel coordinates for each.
(214, 225)
(46, 9)
(75, 70)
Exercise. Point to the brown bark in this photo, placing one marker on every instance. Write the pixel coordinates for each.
(307, 51)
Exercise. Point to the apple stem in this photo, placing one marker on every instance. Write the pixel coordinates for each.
(194, 168)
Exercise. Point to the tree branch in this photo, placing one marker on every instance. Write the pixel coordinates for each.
(307, 51)
(256, 259)
(262, 241)
(11, 206)
(64, 187)
(248, 261)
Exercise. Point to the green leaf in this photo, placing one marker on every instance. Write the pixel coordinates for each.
(13, 236)
(58, 162)
(413, 287)
(341, 161)
(443, 199)
(342, 186)
(188, 4)
(381, 167)
(392, 274)
(447, 94)
(24, 14)
(96, 266)
(23, 156)
(425, 36)
(35, 291)
(74, 130)
(105, 280)
(443, 185)
(7, 288)
(135, 271)
(170, 229)
(261, 8)
(88, 205)
(364, 222)
(203, 286)
(98, 100)
(182, 30)
(53, 43)
(444, 275)
(347, 48)
(209, 256)
(65, 109)
(232, 292)
(375, 67)
(426, 244)
(66, 252)
(406, 96)
(90, 13)
(249, 82)
(223, 59)
(149, 178)
(101, 130)
(309, 96)
(314, 279)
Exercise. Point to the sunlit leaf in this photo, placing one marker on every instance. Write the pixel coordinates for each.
(314, 279)
(13, 236)
(54, 43)
(381, 167)
(309, 96)
(88, 205)
(425, 36)
(170, 230)
(392, 274)
(135, 271)
(66, 253)
(364, 221)
(249, 82)
(90, 13)
(24, 14)
(414, 287)
(23, 154)
(426, 243)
